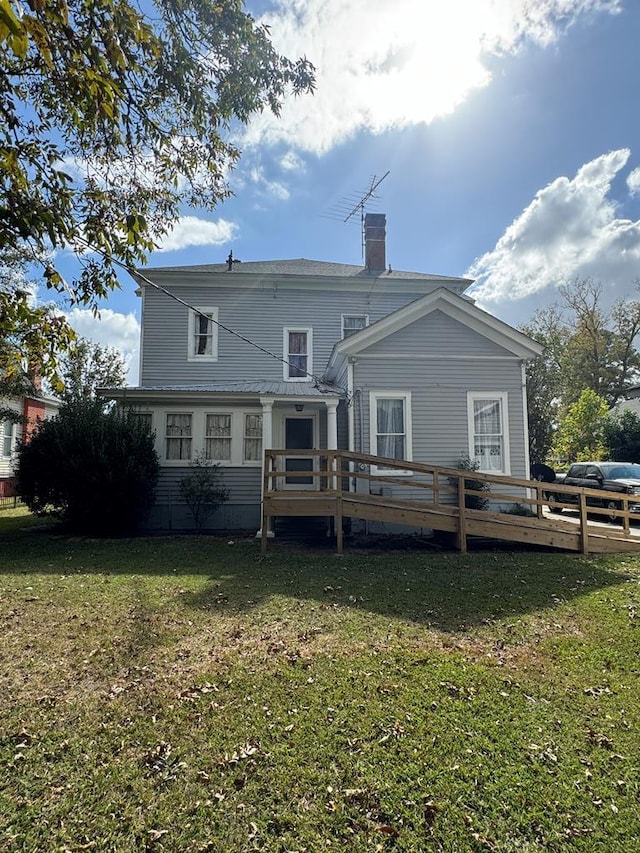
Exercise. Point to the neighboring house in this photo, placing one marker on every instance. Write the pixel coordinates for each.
(305, 354)
(29, 411)
(631, 402)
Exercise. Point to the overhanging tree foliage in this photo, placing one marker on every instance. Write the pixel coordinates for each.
(96, 471)
(115, 115)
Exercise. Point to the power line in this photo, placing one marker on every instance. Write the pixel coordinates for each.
(138, 275)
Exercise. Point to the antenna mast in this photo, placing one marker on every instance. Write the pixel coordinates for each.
(373, 186)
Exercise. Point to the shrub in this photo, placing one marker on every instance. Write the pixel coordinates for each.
(519, 509)
(96, 471)
(202, 490)
(465, 463)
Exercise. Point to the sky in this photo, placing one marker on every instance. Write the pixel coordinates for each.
(509, 129)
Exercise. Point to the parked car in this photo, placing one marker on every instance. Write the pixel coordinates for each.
(623, 477)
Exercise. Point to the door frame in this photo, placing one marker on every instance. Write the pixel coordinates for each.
(283, 415)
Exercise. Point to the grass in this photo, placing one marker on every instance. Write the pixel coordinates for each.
(173, 694)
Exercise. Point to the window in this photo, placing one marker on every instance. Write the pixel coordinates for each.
(488, 435)
(352, 323)
(145, 419)
(252, 451)
(7, 438)
(218, 437)
(298, 355)
(178, 436)
(390, 413)
(203, 334)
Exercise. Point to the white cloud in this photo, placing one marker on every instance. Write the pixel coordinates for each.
(383, 65)
(570, 230)
(111, 329)
(192, 231)
(633, 182)
(292, 162)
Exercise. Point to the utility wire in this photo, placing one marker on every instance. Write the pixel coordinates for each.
(138, 275)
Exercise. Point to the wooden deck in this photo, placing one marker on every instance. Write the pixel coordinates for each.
(341, 484)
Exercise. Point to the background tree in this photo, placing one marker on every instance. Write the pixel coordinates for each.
(543, 380)
(113, 117)
(585, 347)
(580, 434)
(621, 435)
(95, 471)
(87, 366)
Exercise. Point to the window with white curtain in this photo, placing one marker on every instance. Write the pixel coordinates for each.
(203, 334)
(390, 418)
(488, 432)
(179, 435)
(218, 437)
(7, 438)
(298, 355)
(252, 448)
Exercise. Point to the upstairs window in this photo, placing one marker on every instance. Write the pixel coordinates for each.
(203, 334)
(488, 432)
(352, 323)
(298, 355)
(179, 435)
(218, 438)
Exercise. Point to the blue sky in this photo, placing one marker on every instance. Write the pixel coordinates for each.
(510, 130)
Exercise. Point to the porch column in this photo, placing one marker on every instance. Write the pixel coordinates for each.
(332, 432)
(332, 425)
(267, 444)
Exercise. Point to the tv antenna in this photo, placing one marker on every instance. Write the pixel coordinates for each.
(346, 209)
(370, 193)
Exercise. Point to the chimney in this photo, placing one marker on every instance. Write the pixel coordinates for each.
(374, 241)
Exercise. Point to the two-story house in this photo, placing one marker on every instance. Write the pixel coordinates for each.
(295, 354)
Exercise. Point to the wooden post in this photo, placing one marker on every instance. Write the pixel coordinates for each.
(462, 518)
(339, 532)
(539, 498)
(436, 487)
(625, 521)
(267, 486)
(584, 529)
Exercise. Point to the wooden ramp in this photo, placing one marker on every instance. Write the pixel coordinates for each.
(339, 484)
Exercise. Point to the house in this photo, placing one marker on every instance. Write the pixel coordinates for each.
(26, 413)
(240, 357)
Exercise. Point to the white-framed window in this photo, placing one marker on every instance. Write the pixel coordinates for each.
(145, 418)
(297, 348)
(252, 439)
(489, 431)
(218, 435)
(7, 437)
(178, 435)
(203, 334)
(230, 437)
(390, 427)
(352, 323)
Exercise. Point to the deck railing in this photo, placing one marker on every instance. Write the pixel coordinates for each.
(332, 486)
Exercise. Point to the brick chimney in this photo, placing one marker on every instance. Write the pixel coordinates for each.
(375, 229)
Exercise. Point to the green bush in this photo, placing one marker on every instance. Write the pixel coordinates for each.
(465, 463)
(202, 490)
(96, 471)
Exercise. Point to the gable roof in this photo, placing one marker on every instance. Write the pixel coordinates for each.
(302, 267)
(442, 299)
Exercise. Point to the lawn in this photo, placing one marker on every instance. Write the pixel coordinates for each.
(187, 694)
